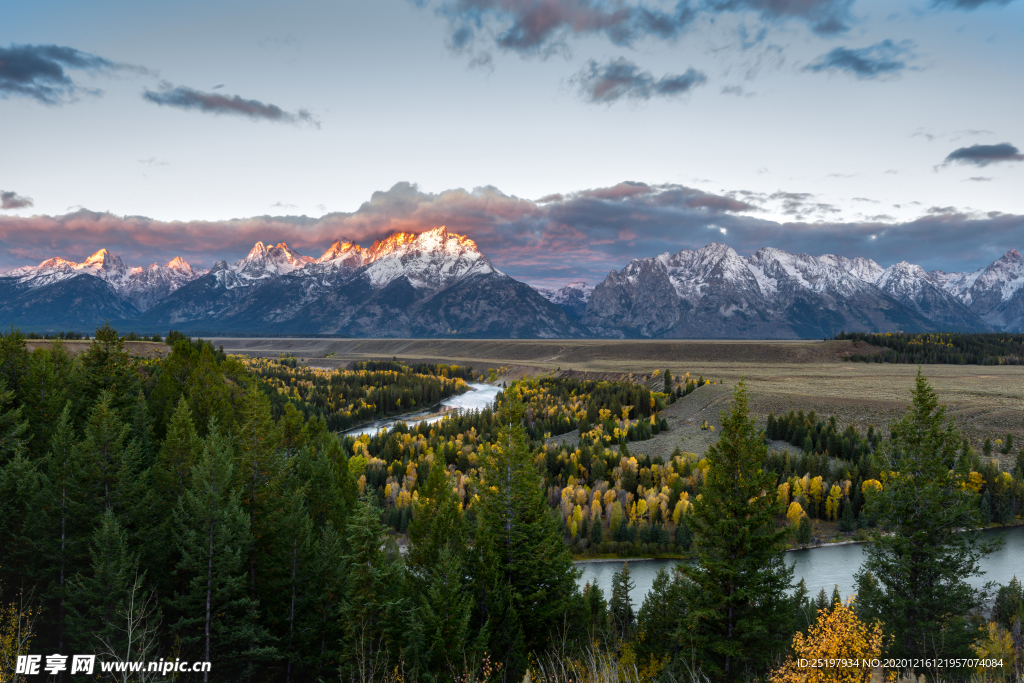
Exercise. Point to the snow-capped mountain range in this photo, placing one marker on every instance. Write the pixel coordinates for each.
(715, 292)
(438, 283)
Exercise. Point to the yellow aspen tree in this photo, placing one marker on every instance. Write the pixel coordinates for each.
(794, 513)
(577, 518)
(837, 634)
(783, 495)
(832, 503)
(816, 491)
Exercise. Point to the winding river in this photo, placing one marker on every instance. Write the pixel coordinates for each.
(478, 397)
(822, 567)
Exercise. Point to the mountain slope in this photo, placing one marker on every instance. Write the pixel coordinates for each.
(712, 292)
(80, 302)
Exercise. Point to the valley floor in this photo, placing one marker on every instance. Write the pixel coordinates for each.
(781, 376)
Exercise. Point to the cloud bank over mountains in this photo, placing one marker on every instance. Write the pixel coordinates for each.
(572, 236)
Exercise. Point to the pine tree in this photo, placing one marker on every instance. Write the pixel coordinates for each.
(208, 394)
(738, 610)
(526, 565)
(621, 604)
(660, 616)
(219, 621)
(375, 603)
(323, 629)
(12, 426)
(444, 617)
(108, 462)
(63, 523)
(94, 595)
(109, 368)
(923, 560)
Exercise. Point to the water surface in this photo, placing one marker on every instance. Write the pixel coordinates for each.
(823, 567)
(478, 397)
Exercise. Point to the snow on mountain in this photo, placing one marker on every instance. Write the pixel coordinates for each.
(573, 297)
(147, 286)
(861, 268)
(430, 260)
(264, 262)
(142, 286)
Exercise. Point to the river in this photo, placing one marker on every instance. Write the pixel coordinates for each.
(478, 397)
(822, 567)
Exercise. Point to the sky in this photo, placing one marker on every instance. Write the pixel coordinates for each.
(565, 137)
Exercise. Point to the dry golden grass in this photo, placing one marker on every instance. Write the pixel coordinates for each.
(136, 348)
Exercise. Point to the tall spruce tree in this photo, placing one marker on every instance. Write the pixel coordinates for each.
(218, 620)
(526, 566)
(437, 561)
(918, 562)
(376, 605)
(739, 614)
(621, 604)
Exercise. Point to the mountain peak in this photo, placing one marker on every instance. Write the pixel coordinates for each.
(100, 258)
(178, 263)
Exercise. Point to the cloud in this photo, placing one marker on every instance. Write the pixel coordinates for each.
(980, 179)
(881, 59)
(735, 90)
(968, 4)
(542, 26)
(39, 72)
(13, 200)
(213, 103)
(578, 236)
(607, 83)
(983, 155)
(824, 16)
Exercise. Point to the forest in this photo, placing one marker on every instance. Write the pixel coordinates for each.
(202, 507)
(949, 348)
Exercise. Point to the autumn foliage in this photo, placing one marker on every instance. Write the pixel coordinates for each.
(838, 634)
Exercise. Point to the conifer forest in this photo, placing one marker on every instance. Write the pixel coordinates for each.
(204, 506)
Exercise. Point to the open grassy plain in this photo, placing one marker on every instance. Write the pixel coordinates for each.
(781, 375)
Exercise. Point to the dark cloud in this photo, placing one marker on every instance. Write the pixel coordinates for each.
(541, 26)
(213, 103)
(983, 155)
(607, 83)
(578, 236)
(881, 59)
(41, 72)
(980, 179)
(13, 200)
(968, 4)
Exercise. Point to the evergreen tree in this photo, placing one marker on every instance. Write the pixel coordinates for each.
(109, 368)
(323, 629)
(108, 462)
(63, 523)
(94, 595)
(219, 621)
(208, 393)
(804, 532)
(930, 547)
(12, 426)
(596, 613)
(739, 615)
(527, 567)
(375, 603)
(846, 521)
(444, 617)
(621, 604)
(661, 614)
